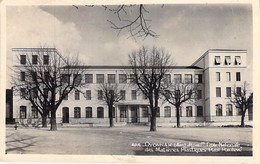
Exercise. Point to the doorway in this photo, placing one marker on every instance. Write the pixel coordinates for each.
(65, 115)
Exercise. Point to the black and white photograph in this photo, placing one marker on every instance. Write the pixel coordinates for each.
(162, 79)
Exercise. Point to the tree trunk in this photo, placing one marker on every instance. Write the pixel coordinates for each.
(153, 120)
(178, 116)
(53, 120)
(44, 121)
(110, 114)
(242, 120)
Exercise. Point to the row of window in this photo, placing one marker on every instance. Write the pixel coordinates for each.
(229, 110)
(35, 60)
(228, 76)
(228, 91)
(227, 60)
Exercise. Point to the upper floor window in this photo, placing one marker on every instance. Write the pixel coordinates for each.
(88, 94)
(132, 78)
(89, 78)
(100, 94)
(237, 60)
(22, 92)
(199, 111)
(228, 92)
(133, 94)
(189, 111)
(218, 110)
(238, 91)
(77, 79)
(122, 94)
(198, 78)
(65, 78)
(238, 76)
(77, 112)
(218, 76)
(22, 59)
(34, 59)
(46, 59)
(227, 60)
(111, 78)
(168, 78)
(229, 110)
(188, 78)
(77, 95)
(22, 76)
(218, 92)
(217, 60)
(177, 78)
(122, 78)
(100, 78)
(228, 76)
(199, 94)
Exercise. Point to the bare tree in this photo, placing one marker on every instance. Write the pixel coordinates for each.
(53, 77)
(177, 93)
(111, 94)
(132, 18)
(242, 98)
(148, 68)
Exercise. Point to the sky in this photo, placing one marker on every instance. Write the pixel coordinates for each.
(185, 31)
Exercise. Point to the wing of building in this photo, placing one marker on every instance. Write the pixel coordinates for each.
(216, 72)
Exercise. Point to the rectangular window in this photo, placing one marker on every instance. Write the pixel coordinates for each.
(199, 94)
(167, 111)
(34, 93)
(228, 76)
(217, 60)
(188, 78)
(199, 111)
(227, 60)
(88, 112)
(217, 76)
(158, 112)
(122, 94)
(189, 111)
(229, 110)
(22, 92)
(100, 95)
(100, 78)
(34, 112)
(77, 79)
(228, 92)
(89, 78)
(238, 76)
(132, 78)
(238, 91)
(218, 92)
(34, 76)
(133, 94)
(177, 78)
(145, 111)
(198, 78)
(237, 60)
(22, 76)
(65, 78)
(77, 95)
(46, 59)
(122, 78)
(34, 59)
(88, 94)
(168, 78)
(77, 112)
(22, 59)
(46, 76)
(100, 112)
(111, 78)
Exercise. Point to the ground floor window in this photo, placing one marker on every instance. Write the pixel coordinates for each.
(88, 112)
(229, 110)
(123, 112)
(100, 112)
(189, 111)
(144, 111)
(167, 111)
(77, 112)
(239, 112)
(180, 111)
(218, 110)
(158, 112)
(34, 112)
(22, 111)
(199, 111)
(113, 112)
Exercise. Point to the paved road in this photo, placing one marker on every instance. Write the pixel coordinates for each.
(136, 140)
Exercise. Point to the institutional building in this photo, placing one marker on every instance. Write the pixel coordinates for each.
(216, 72)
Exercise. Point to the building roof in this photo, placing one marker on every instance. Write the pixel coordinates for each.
(127, 67)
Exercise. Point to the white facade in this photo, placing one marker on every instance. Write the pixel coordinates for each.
(215, 66)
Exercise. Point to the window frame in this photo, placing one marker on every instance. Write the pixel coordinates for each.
(100, 112)
(167, 111)
(100, 78)
(77, 112)
(89, 113)
(89, 78)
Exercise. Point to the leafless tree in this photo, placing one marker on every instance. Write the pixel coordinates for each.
(110, 95)
(49, 78)
(242, 98)
(148, 69)
(132, 18)
(177, 93)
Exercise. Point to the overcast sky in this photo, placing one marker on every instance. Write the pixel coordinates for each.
(186, 31)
